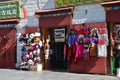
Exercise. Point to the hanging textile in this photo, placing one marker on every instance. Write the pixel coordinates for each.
(71, 53)
(79, 51)
(102, 50)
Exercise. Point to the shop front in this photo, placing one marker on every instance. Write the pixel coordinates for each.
(9, 17)
(113, 21)
(54, 25)
(8, 45)
(78, 39)
(88, 40)
(88, 48)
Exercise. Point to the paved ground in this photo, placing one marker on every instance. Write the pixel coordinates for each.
(9, 74)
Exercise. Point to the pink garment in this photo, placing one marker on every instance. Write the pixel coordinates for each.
(102, 30)
(64, 49)
(35, 47)
(79, 51)
(29, 51)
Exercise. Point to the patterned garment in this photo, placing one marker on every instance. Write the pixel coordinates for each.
(93, 50)
(102, 50)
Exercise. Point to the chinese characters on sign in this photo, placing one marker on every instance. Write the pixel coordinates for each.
(9, 10)
(66, 3)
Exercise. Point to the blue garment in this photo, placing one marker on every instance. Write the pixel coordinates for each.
(75, 38)
(86, 35)
(72, 39)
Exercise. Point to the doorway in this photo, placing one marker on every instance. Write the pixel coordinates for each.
(7, 47)
(58, 38)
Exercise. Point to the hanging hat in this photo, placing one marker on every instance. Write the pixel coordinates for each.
(94, 30)
(31, 36)
(81, 36)
(37, 34)
(27, 36)
(21, 39)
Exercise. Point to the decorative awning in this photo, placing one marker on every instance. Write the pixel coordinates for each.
(109, 4)
(10, 21)
(43, 12)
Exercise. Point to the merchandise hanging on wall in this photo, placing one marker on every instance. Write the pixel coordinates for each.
(86, 42)
(31, 45)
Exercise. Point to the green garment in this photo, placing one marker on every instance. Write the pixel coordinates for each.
(113, 65)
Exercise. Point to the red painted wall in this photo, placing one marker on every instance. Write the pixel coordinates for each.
(113, 16)
(93, 65)
(55, 21)
(96, 64)
(32, 29)
(7, 47)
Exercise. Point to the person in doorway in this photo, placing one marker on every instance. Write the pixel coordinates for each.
(46, 52)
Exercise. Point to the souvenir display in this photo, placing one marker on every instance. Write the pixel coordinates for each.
(115, 44)
(87, 42)
(31, 45)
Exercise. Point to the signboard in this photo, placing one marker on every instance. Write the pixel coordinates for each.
(67, 3)
(112, 8)
(58, 14)
(7, 25)
(116, 8)
(9, 10)
(59, 35)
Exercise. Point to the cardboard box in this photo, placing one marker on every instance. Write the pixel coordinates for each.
(37, 67)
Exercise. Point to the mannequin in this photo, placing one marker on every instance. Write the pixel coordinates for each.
(46, 52)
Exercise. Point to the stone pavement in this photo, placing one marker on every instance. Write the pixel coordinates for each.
(11, 74)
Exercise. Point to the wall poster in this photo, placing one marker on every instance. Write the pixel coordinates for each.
(59, 35)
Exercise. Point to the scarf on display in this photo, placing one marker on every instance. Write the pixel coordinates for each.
(94, 40)
(79, 51)
(102, 30)
(73, 39)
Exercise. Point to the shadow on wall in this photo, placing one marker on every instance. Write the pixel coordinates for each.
(93, 65)
(96, 65)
